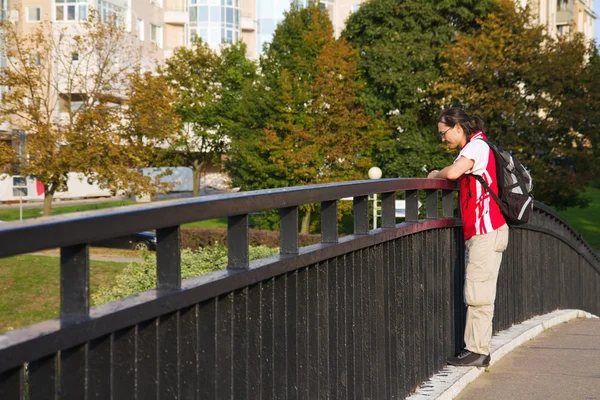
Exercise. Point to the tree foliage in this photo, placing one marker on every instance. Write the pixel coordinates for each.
(68, 89)
(530, 90)
(399, 44)
(302, 122)
(208, 84)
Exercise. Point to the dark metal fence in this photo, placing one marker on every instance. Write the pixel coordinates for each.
(364, 316)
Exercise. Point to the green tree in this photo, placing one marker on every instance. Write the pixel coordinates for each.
(399, 44)
(209, 87)
(303, 122)
(526, 87)
(67, 89)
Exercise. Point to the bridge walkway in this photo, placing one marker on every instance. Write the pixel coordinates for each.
(561, 363)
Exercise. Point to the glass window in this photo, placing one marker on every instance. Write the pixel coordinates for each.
(193, 13)
(215, 13)
(34, 14)
(139, 28)
(70, 10)
(156, 35)
(203, 14)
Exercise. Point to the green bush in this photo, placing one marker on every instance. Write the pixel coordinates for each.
(139, 277)
(196, 238)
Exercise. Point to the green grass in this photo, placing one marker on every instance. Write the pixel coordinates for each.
(12, 214)
(586, 220)
(210, 223)
(29, 287)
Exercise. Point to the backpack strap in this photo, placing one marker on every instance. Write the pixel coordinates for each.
(488, 189)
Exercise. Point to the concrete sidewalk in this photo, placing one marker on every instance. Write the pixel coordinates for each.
(561, 363)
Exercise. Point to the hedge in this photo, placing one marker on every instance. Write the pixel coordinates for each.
(139, 277)
(196, 238)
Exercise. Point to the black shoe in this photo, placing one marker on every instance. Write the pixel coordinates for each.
(467, 358)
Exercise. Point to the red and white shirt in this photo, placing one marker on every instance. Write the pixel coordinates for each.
(480, 212)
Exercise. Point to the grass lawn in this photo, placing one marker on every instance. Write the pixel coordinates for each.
(29, 287)
(586, 220)
(12, 214)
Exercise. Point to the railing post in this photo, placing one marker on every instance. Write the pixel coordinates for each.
(329, 223)
(388, 210)
(361, 215)
(448, 203)
(168, 258)
(432, 203)
(288, 230)
(75, 280)
(237, 242)
(412, 205)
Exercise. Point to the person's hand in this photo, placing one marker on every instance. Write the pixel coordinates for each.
(433, 174)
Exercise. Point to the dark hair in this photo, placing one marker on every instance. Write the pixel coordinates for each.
(457, 116)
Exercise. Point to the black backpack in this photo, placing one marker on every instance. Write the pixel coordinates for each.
(514, 187)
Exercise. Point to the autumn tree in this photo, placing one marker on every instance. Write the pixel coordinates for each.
(303, 124)
(399, 43)
(208, 85)
(68, 89)
(528, 88)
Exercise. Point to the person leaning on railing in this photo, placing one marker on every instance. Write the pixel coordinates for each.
(485, 229)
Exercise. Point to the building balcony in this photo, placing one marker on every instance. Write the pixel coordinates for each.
(248, 24)
(563, 17)
(176, 17)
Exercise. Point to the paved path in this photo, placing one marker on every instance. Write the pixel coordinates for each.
(562, 363)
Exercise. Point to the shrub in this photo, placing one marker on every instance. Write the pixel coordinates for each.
(195, 238)
(139, 277)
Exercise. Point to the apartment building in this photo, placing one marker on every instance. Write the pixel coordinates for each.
(562, 17)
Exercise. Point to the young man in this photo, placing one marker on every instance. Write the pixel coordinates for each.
(485, 230)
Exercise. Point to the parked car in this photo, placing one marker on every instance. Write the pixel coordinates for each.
(134, 241)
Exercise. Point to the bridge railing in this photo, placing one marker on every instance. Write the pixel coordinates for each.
(368, 315)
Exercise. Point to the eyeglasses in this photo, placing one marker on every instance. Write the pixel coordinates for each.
(443, 134)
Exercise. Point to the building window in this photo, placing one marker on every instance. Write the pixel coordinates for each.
(214, 21)
(71, 10)
(355, 7)
(34, 58)
(34, 14)
(19, 186)
(112, 13)
(3, 10)
(139, 28)
(156, 35)
(75, 56)
(562, 5)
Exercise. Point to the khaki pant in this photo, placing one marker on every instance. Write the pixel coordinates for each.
(483, 256)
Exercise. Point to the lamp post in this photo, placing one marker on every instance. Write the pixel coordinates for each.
(374, 173)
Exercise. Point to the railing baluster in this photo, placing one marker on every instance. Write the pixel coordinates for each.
(329, 223)
(388, 210)
(168, 258)
(432, 203)
(361, 215)
(288, 230)
(412, 205)
(75, 280)
(448, 203)
(237, 242)
(12, 383)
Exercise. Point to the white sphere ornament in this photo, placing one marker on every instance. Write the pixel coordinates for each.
(375, 173)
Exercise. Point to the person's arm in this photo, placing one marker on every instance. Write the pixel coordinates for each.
(453, 171)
